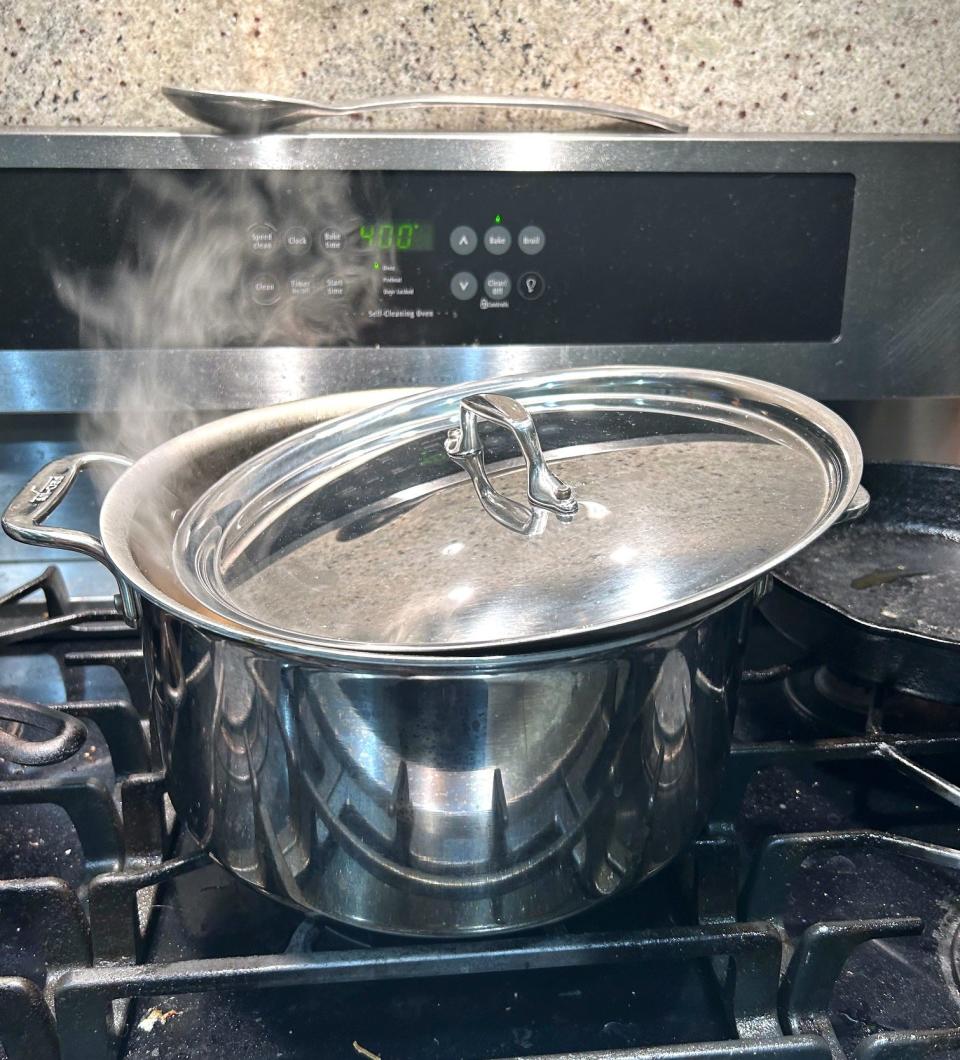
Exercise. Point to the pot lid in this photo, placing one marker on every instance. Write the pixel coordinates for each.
(519, 511)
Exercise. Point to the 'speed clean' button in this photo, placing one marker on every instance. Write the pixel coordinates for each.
(262, 238)
(463, 286)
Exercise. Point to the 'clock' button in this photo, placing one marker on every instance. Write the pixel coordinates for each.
(297, 240)
(497, 239)
(530, 286)
(463, 286)
(265, 289)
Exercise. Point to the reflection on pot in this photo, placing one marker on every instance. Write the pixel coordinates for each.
(423, 800)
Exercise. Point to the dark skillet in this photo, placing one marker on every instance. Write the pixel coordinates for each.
(879, 599)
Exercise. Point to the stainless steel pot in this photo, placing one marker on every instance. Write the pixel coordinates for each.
(443, 792)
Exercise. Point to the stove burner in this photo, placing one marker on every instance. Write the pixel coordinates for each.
(824, 697)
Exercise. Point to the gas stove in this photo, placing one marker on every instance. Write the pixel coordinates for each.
(818, 915)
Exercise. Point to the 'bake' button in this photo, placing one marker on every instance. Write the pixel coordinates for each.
(332, 239)
(531, 239)
(497, 239)
(262, 238)
(265, 289)
(297, 240)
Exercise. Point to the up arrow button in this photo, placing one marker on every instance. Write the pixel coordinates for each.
(463, 240)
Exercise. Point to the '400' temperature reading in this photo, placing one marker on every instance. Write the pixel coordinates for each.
(397, 235)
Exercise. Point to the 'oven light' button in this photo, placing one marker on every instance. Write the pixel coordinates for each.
(296, 240)
(262, 238)
(531, 239)
(265, 289)
(463, 286)
(530, 286)
(497, 240)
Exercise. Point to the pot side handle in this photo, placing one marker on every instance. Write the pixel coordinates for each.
(857, 507)
(24, 517)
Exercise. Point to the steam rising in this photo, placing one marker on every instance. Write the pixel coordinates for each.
(185, 278)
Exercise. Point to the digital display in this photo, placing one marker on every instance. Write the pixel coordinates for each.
(397, 235)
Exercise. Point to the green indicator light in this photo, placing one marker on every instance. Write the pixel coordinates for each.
(376, 264)
(498, 219)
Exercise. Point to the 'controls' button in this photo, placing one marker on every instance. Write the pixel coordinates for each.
(531, 239)
(265, 289)
(297, 240)
(497, 239)
(463, 286)
(463, 240)
(530, 286)
(301, 285)
(334, 286)
(497, 286)
(262, 238)
(332, 239)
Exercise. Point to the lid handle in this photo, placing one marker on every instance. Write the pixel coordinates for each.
(544, 489)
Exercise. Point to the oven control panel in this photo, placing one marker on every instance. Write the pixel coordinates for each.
(198, 259)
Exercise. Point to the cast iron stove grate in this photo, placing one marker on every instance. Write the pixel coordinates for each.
(816, 917)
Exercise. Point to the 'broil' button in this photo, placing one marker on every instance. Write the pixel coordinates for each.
(531, 239)
(265, 289)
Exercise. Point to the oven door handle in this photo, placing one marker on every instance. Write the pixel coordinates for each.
(25, 516)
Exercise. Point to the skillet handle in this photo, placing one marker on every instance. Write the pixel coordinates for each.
(25, 515)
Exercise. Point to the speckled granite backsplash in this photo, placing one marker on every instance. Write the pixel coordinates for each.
(758, 65)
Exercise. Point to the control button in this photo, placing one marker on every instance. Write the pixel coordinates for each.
(297, 240)
(497, 286)
(463, 286)
(301, 284)
(463, 240)
(531, 239)
(530, 286)
(262, 238)
(334, 286)
(497, 239)
(265, 289)
(332, 239)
